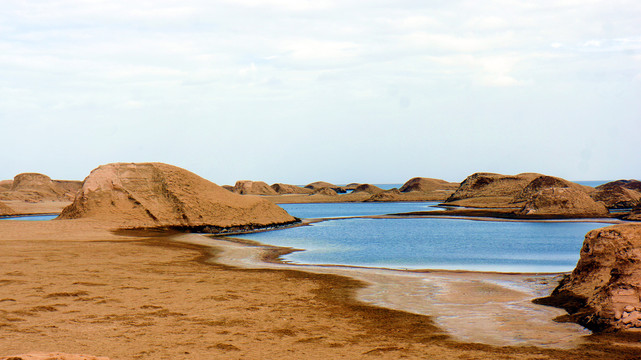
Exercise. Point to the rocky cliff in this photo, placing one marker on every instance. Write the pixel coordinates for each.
(5, 210)
(604, 290)
(161, 195)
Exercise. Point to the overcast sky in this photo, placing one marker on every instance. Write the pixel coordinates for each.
(343, 91)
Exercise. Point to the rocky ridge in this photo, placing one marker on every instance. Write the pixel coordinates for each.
(34, 187)
(248, 187)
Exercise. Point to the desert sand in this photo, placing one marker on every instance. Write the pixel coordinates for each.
(77, 287)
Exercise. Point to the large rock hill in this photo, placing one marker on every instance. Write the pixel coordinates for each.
(161, 195)
(367, 188)
(604, 290)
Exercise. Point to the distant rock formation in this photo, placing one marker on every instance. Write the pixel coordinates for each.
(387, 196)
(543, 182)
(368, 188)
(491, 189)
(290, 189)
(325, 191)
(5, 210)
(427, 184)
(160, 195)
(351, 186)
(228, 188)
(248, 187)
(619, 194)
(34, 187)
(322, 184)
(604, 290)
(562, 202)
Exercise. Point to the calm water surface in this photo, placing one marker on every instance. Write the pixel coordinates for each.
(31, 217)
(453, 244)
(325, 210)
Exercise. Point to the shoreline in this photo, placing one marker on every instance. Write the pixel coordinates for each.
(459, 302)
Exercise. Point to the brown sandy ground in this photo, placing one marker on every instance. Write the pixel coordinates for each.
(74, 287)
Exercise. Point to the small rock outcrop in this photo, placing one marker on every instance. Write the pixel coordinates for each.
(285, 189)
(604, 290)
(562, 202)
(427, 184)
(5, 185)
(248, 187)
(161, 195)
(367, 188)
(619, 194)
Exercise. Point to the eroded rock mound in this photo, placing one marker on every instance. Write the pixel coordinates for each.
(604, 290)
(387, 195)
(427, 184)
(619, 194)
(562, 202)
(34, 187)
(325, 191)
(547, 182)
(161, 195)
(492, 189)
(5, 185)
(322, 184)
(367, 188)
(290, 189)
(248, 187)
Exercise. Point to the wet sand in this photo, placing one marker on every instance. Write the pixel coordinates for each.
(78, 287)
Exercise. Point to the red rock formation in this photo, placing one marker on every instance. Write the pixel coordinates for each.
(488, 189)
(35, 187)
(161, 195)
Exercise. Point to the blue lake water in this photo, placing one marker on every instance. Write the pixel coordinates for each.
(325, 210)
(453, 244)
(31, 217)
(435, 244)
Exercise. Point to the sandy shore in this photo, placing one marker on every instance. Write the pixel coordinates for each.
(78, 287)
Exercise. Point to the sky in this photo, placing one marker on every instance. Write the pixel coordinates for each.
(297, 91)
